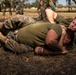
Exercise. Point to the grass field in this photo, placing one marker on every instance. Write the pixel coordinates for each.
(33, 13)
(30, 64)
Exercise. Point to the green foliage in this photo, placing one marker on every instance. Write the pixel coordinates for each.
(59, 6)
(74, 1)
(27, 5)
(34, 4)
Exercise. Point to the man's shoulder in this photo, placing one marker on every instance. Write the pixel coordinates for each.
(57, 28)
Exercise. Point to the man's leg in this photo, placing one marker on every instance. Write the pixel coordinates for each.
(10, 12)
(39, 17)
(43, 14)
(15, 46)
(18, 48)
(4, 10)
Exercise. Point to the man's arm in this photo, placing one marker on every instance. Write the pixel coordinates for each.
(43, 51)
(51, 36)
(52, 43)
(62, 38)
(63, 35)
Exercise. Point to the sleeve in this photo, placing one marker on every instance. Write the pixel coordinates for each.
(57, 29)
(61, 20)
(17, 8)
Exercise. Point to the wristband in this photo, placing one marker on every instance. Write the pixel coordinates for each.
(40, 50)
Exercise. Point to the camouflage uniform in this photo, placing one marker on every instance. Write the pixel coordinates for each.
(15, 46)
(4, 5)
(42, 8)
(16, 22)
(12, 24)
(19, 9)
(46, 4)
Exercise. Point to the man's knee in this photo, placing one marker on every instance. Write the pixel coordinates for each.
(49, 11)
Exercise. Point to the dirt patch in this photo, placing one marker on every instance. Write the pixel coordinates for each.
(30, 64)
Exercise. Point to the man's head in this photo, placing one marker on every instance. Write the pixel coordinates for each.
(19, 2)
(73, 25)
(69, 37)
(41, 2)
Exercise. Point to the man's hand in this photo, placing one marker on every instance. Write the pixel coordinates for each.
(64, 50)
(62, 26)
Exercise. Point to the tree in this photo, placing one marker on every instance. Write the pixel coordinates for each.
(34, 4)
(69, 4)
(23, 1)
(74, 1)
(59, 5)
(14, 2)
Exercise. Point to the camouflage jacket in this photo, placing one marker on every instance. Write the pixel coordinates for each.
(18, 21)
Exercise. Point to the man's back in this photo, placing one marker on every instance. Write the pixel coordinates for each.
(35, 34)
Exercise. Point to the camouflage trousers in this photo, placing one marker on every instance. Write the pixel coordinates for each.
(15, 22)
(5, 6)
(16, 47)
